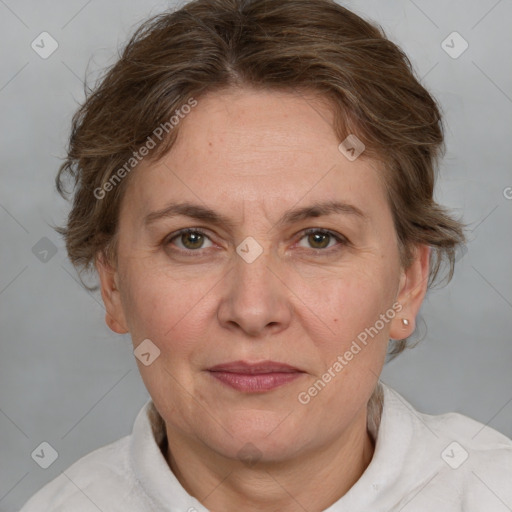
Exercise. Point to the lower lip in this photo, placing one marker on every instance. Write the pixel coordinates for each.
(255, 382)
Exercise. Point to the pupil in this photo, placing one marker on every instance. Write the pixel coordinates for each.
(196, 240)
(317, 237)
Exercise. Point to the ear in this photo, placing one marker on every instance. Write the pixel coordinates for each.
(109, 278)
(412, 290)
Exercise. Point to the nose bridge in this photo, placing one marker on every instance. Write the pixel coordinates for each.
(253, 273)
(255, 297)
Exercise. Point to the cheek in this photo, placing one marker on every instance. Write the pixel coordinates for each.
(360, 309)
(352, 301)
(163, 307)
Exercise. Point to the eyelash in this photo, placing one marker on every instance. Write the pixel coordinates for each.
(189, 252)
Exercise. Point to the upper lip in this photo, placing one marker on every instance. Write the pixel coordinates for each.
(254, 368)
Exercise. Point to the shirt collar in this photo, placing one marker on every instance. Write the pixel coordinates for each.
(394, 466)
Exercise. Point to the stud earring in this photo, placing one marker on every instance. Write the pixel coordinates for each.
(405, 322)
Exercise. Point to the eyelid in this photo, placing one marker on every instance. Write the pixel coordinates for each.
(342, 240)
(177, 234)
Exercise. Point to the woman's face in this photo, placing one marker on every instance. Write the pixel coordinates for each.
(254, 286)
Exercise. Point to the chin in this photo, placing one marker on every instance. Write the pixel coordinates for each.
(266, 439)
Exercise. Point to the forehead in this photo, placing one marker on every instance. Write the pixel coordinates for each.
(265, 149)
(254, 130)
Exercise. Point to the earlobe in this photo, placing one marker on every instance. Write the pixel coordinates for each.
(114, 316)
(412, 290)
(114, 325)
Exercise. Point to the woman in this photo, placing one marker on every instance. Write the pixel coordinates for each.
(254, 186)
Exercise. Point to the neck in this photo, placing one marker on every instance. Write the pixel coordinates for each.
(311, 481)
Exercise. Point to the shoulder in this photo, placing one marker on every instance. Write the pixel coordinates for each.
(476, 462)
(104, 479)
(466, 463)
(470, 439)
(484, 453)
(474, 436)
(92, 479)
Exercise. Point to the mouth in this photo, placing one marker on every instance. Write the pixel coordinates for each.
(255, 377)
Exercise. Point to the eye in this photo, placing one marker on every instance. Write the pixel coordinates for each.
(321, 238)
(190, 239)
(193, 239)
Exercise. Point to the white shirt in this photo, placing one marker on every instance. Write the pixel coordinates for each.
(422, 462)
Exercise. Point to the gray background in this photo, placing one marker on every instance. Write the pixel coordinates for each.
(66, 379)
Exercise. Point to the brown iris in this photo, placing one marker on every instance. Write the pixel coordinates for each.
(321, 238)
(195, 238)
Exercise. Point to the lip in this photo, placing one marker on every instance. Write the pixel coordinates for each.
(246, 367)
(255, 377)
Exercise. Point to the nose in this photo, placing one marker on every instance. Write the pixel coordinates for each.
(256, 298)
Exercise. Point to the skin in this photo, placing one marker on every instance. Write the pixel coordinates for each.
(251, 156)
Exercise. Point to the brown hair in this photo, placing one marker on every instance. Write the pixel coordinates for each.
(288, 45)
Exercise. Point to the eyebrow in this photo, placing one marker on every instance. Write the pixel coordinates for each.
(199, 212)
